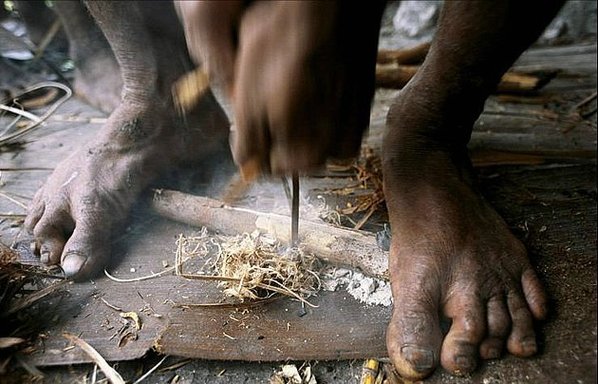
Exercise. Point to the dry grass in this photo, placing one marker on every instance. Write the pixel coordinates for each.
(250, 266)
(366, 195)
(22, 286)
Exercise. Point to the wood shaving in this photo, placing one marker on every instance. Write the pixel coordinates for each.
(251, 266)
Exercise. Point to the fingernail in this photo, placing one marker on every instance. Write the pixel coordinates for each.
(72, 263)
(421, 359)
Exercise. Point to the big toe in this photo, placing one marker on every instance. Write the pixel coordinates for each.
(413, 340)
(85, 253)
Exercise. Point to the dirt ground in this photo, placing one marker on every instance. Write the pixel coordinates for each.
(536, 165)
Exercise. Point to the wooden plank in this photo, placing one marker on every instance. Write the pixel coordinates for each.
(552, 208)
(340, 328)
(278, 331)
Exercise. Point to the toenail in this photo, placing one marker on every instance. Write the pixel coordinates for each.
(464, 363)
(493, 353)
(72, 263)
(529, 345)
(44, 256)
(422, 360)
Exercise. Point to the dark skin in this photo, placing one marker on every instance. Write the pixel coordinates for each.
(452, 256)
(89, 195)
(300, 78)
(97, 74)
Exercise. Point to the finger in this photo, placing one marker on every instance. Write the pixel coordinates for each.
(50, 232)
(210, 30)
(250, 136)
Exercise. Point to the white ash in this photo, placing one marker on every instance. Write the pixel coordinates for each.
(366, 289)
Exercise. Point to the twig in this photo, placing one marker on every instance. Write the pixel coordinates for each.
(52, 31)
(228, 305)
(33, 371)
(94, 374)
(147, 277)
(396, 77)
(111, 373)
(12, 216)
(146, 375)
(365, 217)
(17, 202)
(30, 299)
(21, 112)
(37, 121)
(110, 305)
(25, 169)
(413, 55)
(585, 101)
(7, 342)
(177, 365)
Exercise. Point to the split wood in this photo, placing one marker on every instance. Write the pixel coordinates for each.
(396, 77)
(408, 56)
(355, 249)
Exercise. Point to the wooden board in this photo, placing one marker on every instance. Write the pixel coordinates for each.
(339, 328)
(559, 227)
(551, 207)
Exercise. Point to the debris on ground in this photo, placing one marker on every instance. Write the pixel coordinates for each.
(290, 374)
(378, 372)
(363, 288)
(111, 374)
(250, 266)
(366, 195)
(22, 286)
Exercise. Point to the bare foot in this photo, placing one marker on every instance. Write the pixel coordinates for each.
(451, 257)
(90, 193)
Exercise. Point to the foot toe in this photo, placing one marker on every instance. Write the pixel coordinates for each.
(499, 324)
(86, 252)
(413, 341)
(460, 347)
(36, 211)
(51, 247)
(49, 231)
(522, 340)
(535, 295)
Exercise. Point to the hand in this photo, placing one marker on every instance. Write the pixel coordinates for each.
(300, 76)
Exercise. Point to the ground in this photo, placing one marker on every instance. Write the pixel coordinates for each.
(536, 157)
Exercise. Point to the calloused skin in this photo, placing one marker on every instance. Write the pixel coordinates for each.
(452, 257)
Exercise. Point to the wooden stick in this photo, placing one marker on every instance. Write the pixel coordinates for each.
(409, 56)
(111, 374)
(189, 89)
(396, 77)
(356, 249)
